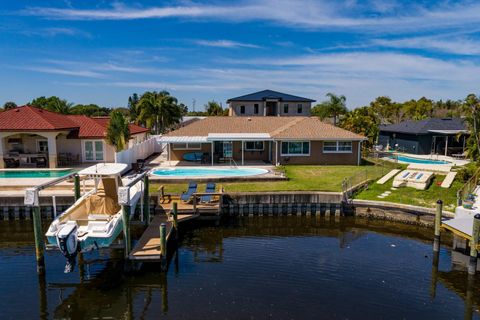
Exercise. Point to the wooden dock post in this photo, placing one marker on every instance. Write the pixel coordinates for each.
(438, 223)
(163, 246)
(76, 183)
(39, 241)
(146, 200)
(175, 215)
(472, 265)
(126, 228)
(163, 239)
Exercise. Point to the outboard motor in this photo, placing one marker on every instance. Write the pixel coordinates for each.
(68, 244)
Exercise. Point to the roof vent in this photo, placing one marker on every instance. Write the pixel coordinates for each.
(249, 119)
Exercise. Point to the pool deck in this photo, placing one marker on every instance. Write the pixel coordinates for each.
(271, 175)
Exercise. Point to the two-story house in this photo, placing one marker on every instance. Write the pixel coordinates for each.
(269, 103)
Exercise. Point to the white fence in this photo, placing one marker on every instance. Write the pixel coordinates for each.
(139, 151)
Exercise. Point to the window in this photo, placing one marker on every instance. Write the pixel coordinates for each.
(295, 148)
(285, 108)
(42, 146)
(337, 146)
(255, 108)
(93, 150)
(299, 108)
(186, 146)
(242, 109)
(253, 145)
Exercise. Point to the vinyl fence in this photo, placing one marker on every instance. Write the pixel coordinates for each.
(139, 151)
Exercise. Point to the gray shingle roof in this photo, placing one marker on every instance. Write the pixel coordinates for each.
(269, 94)
(423, 126)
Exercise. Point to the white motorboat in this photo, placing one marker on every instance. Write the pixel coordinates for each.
(95, 220)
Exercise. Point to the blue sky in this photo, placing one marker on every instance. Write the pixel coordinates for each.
(102, 51)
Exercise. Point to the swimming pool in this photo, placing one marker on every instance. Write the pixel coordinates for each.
(14, 174)
(189, 172)
(406, 159)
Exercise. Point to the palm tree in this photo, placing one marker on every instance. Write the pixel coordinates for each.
(158, 111)
(333, 107)
(118, 132)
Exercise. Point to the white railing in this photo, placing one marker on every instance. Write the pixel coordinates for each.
(140, 150)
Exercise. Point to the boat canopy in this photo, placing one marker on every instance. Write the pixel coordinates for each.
(104, 169)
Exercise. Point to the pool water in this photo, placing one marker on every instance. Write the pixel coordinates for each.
(418, 160)
(10, 174)
(205, 171)
(250, 268)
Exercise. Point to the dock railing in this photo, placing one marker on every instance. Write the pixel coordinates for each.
(468, 187)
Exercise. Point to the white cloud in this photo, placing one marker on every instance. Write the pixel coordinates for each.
(55, 31)
(314, 14)
(453, 45)
(76, 73)
(361, 76)
(225, 44)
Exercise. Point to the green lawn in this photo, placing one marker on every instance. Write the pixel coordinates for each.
(407, 195)
(301, 178)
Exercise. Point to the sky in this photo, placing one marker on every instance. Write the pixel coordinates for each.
(103, 51)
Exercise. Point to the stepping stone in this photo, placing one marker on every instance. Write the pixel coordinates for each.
(393, 188)
(388, 192)
(381, 196)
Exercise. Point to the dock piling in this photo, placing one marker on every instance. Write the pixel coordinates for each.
(76, 183)
(438, 223)
(146, 201)
(39, 242)
(472, 265)
(126, 228)
(163, 239)
(175, 215)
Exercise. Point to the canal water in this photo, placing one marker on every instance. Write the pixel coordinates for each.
(248, 268)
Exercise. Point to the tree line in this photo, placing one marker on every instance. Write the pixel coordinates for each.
(366, 120)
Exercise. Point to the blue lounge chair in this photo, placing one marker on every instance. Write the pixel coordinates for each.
(192, 188)
(209, 189)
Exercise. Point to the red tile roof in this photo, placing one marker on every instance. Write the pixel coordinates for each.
(28, 118)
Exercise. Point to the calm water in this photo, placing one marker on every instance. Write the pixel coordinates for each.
(253, 268)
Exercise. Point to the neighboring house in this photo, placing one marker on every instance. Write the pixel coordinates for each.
(269, 103)
(430, 136)
(278, 140)
(28, 134)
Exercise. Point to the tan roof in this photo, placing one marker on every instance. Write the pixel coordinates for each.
(310, 128)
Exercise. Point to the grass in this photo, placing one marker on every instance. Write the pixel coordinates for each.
(301, 178)
(329, 178)
(407, 195)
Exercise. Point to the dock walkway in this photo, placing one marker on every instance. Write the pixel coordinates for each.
(148, 246)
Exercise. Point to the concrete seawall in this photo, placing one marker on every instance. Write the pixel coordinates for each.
(258, 204)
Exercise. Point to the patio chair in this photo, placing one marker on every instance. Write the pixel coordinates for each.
(41, 162)
(460, 156)
(187, 195)
(11, 163)
(209, 189)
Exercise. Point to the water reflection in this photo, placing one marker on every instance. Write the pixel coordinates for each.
(212, 265)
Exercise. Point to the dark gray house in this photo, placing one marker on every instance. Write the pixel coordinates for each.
(269, 103)
(429, 136)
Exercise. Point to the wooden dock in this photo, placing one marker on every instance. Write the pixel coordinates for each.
(148, 247)
(461, 227)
